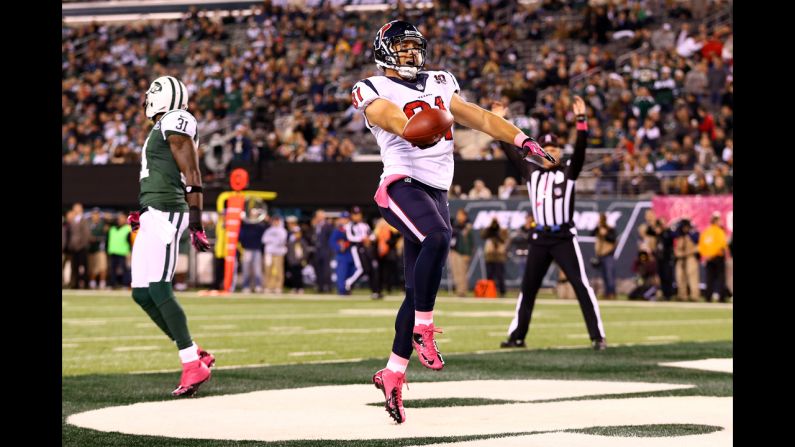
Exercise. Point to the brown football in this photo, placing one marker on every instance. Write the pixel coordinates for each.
(427, 127)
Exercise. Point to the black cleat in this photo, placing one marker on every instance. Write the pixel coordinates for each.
(513, 344)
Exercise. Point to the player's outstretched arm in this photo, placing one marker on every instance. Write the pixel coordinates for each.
(184, 152)
(475, 117)
(386, 115)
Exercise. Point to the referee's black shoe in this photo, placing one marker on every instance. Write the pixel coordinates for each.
(513, 344)
(599, 345)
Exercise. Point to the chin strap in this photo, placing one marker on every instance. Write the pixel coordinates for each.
(408, 73)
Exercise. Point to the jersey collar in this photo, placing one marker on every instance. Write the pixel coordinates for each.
(418, 84)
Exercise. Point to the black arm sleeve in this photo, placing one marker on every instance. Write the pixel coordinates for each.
(578, 159)
(512, 152)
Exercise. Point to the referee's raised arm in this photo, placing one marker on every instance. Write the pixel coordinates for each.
(578, 158)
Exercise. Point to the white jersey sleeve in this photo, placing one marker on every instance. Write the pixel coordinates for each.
(178, 121)
(363, 93)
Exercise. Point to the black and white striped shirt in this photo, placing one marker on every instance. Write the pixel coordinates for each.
(551, 191)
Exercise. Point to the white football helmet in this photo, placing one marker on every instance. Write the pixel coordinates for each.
(166, 93)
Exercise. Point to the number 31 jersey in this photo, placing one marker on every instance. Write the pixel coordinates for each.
(162, 183)
(432, 89)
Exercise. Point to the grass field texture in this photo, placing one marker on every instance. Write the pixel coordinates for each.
(114, 355)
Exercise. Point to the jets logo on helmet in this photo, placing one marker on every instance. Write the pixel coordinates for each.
(386, 55)
(166, 93)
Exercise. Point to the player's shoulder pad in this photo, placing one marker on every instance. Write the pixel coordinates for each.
(364, 92)
(178, 121)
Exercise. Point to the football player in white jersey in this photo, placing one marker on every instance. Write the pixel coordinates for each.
(412, 194)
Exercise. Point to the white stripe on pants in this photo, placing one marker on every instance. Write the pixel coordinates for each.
(150, 249)
(359, 270)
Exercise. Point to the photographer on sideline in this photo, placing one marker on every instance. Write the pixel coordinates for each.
(496, 253)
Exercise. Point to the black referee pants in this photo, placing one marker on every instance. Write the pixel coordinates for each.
(564, 249)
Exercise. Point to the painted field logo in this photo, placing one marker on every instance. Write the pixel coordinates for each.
(550, 412)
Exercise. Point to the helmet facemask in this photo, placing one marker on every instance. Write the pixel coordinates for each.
(415, 57)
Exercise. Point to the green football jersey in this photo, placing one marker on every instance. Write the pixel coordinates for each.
(162, 183)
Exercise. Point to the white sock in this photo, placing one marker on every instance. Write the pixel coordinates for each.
(419, 321)
(396, 367)
(189, 354)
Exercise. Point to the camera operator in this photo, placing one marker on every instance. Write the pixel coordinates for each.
(496, 253)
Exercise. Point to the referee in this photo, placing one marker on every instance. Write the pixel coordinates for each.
(551, 189)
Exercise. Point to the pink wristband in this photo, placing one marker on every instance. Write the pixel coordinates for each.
(519, 139)
(582, 125)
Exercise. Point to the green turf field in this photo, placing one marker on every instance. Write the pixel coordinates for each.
(111, 350)
(111, 334)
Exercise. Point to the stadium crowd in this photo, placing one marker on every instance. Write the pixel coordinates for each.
(274, 85)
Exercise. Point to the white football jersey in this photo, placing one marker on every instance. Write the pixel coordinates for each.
(432, 166)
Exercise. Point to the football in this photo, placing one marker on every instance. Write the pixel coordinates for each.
(427, 127)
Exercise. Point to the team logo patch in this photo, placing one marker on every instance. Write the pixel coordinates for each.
(156, 87)
(384, 28)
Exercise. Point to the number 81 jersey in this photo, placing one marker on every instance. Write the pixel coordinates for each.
(162, 183)
(432, 89)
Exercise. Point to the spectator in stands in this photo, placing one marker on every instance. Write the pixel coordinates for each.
(648, 134)
(696, 81)
(686, 44)
(606, 175)
(242, 146)
(716, 81)
(507, 189)
(267, 77)
(479, 190)
(663, 38)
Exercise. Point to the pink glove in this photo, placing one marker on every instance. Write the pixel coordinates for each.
(134, 219)
(531, 147)
(199, 240)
